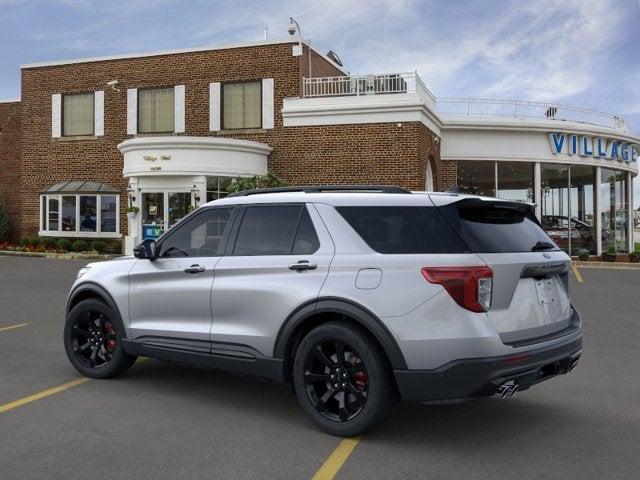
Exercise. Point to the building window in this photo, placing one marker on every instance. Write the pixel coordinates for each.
(156, 110)
(614, 190)
(80, 215)
(582, 201)
(242, 105)
(477, 177)
(515, 181)
(554, 204)
(78, 114)
(217, 187)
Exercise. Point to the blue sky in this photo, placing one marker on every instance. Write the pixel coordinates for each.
(579, 52)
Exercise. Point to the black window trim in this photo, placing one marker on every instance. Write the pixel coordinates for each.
(158, 87)
(233, 233)
(225, 237)
(236, 82)
(69, 94)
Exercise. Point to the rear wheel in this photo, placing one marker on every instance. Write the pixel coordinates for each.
(93, 336)
(342, 379)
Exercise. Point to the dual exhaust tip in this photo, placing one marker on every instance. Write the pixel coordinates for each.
(507, 390)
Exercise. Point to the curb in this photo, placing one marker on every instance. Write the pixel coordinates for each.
(59, 256)
(614, 265)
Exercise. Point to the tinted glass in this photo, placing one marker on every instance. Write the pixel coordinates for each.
(199, 236)
(403, 229)
(267, 230)
(88, 214)
(477, 177)
(306, 241)
(488, 227)
(108, 213)
(69, 213)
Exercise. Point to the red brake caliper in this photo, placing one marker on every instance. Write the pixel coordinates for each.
(111, 342)
(360, 379)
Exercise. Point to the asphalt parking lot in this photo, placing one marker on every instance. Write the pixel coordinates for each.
(166, 421)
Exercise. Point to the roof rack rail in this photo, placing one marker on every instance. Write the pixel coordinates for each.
(324, 188)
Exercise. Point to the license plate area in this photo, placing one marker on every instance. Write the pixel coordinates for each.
(545, 291)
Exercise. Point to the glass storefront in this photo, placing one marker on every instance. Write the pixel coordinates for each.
(582, 203)
(568, 202)
(614, 210)
(477, 178)
(515, 181)
(554, 203)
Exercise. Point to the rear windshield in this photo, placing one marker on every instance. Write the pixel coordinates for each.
(497, 227)
(403, 230)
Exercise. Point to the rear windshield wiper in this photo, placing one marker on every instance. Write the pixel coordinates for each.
(542, 246)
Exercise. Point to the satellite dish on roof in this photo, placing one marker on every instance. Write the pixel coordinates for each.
(334, 56)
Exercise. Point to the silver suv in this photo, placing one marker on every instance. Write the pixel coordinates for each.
(354, 295)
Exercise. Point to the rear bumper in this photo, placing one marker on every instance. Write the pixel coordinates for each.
(480, 377)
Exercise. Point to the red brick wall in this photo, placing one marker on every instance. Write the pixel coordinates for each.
(366, 153)
(10, 161)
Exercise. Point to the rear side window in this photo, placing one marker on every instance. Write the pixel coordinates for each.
(403, 230)
(497, 227)
(276, 230)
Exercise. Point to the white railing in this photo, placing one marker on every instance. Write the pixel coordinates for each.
(375, 84)
(527, 109)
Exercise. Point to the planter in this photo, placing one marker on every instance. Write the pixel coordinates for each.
(609, 257)
(131, 215)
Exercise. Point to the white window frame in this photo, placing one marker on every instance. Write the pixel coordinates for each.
(57, 121)
(44, 222)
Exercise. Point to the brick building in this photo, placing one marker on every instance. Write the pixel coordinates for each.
(169, 130)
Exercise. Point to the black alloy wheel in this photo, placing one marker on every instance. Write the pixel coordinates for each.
(93, 336)
(336, 380)
(343, 379)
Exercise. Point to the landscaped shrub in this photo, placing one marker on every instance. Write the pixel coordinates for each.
(24, 242)
(80, 246)
(114, 246)
(65, 244)
(48, 242)
(33, 241)
(98, 246)
(259, 181)
(4, 222)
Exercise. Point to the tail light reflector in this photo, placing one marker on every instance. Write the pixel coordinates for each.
(470, 287)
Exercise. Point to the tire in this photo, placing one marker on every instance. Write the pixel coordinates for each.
(346, 397)
(93, 336)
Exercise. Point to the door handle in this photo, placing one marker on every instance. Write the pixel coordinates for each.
(303, 265)
(193, 269)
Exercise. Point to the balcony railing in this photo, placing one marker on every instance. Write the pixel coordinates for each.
(527, 109)
(380, 84)
(366, 85)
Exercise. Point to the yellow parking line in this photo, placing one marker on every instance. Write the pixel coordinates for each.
(577, 274)
(45, 393)
(335, 461)
(11, 327)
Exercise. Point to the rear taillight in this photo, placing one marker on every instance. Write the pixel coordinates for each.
(470, 287)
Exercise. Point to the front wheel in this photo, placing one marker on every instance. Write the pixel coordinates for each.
(93, 340)
(342, 379)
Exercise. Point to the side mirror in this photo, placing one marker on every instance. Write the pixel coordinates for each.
(146, 249)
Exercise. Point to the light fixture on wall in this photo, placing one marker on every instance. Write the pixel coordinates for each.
(131, 192)
(195, 192)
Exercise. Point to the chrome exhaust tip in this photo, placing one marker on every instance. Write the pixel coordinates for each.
(507, 390)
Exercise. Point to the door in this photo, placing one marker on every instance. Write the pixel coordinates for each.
(170, 297)
(277, 259)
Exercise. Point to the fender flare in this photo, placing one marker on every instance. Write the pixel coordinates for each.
(342, 307)
(95, 290)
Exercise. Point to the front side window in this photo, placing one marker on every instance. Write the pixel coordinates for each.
(156, 110)
(242, 105)
(198, 236)
(78, 114)
(268, 230)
